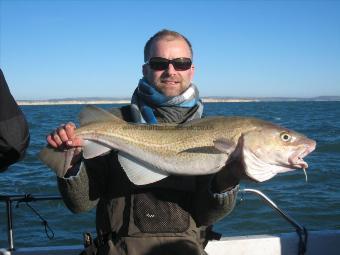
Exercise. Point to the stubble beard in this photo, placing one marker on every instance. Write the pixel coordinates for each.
(169, 89)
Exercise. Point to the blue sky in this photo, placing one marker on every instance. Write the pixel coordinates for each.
(58, 49)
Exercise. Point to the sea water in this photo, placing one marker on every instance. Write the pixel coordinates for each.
(314, 204)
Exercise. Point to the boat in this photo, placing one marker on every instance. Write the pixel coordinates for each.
(300, 242)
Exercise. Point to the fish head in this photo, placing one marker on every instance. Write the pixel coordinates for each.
(270, 149)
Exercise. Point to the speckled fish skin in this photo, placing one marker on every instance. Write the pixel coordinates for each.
(198, 147)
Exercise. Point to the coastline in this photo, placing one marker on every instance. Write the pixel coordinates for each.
(83, 101)
(65, 102)
(121, 101)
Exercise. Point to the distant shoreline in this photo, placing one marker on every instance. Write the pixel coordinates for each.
(118, 101)
(64, 102)
(83, 101)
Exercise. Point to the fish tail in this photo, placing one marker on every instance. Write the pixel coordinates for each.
(59, 161)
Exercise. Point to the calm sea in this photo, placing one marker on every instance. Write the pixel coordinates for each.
(315, 204)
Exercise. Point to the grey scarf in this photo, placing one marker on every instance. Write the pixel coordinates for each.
(150, 106)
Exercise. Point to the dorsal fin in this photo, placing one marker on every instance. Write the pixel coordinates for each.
(91, 113)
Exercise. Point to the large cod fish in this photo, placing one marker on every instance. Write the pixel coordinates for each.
(149, 153)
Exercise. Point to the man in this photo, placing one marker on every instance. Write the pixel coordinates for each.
(14, 133)
(166, 217)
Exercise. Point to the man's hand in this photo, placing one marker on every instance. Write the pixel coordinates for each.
(64, 137)
(228, 177)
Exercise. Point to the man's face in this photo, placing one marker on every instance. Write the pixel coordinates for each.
(169, 81)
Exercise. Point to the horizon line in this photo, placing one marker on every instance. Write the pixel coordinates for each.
(211, 99)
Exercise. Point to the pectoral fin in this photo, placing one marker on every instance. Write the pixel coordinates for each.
(224, 145)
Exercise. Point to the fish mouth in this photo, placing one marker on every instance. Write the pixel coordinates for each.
(296, 160)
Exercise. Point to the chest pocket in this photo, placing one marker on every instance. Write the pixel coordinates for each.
(159, 214)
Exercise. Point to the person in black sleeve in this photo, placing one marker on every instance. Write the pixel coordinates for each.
(14, 132)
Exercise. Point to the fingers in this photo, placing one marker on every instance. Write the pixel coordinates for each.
(77, 142)
(61, 136)
(51, 141)
(64, 137)
(73, 140)
(69, 129)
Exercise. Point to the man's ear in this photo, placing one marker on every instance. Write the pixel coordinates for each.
(145, 70)
(192, 70)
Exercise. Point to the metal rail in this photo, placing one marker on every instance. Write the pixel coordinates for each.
(9, 199)
(300, 230)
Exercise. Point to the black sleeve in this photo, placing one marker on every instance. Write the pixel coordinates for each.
(14, 133)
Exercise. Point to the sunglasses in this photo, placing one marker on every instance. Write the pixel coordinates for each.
(160, 64)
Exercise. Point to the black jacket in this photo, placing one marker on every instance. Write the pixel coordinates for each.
(14, 133)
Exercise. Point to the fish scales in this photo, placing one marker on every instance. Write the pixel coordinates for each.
(198, 147)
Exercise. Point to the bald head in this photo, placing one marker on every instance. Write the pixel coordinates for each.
(166, 35)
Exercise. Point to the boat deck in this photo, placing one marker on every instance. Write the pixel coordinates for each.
(319, 242)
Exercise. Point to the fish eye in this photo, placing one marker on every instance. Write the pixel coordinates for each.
(285, 137)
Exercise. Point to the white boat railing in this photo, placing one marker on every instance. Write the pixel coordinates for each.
(300, 230)
(9, 199)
